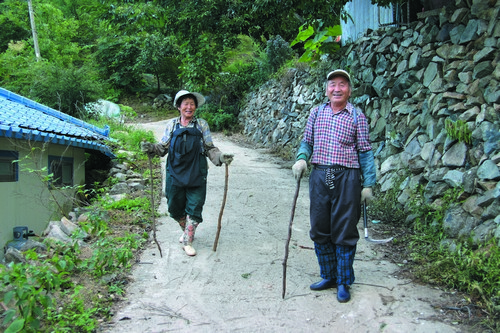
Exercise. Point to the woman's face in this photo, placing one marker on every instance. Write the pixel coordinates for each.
(187, 108)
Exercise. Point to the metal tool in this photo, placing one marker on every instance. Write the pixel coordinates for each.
(365, 223)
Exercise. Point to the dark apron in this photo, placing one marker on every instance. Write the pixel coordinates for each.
(184, 157)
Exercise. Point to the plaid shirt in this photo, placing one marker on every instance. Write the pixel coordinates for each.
(335, 138)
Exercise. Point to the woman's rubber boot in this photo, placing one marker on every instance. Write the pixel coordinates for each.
(189, 236)
(189, 249)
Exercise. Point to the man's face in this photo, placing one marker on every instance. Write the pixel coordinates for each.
(338, 90)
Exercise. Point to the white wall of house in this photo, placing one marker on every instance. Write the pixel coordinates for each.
(27, 202)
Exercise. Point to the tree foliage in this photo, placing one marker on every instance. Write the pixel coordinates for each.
(184, 44)
(66, 89)
(318, 40)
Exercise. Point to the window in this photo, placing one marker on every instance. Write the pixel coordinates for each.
(61, 169)
(8, 168)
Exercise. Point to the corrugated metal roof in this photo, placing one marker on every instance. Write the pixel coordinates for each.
(24, 119)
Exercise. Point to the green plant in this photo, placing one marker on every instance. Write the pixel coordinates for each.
(318, 40)
(116, 288)
(28, 295)
(278, 51)
(128, 111)
(129, 205)
(72, 315)
(386, 206)
(218, 120)
(108, 257)
(458, 130)
(468, 268)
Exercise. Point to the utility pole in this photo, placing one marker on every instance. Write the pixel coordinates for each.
(33, 28)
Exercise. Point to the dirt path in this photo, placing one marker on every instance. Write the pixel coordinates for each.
(238, 288)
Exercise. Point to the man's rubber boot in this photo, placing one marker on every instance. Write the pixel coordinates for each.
(323, 284)
(343, 294)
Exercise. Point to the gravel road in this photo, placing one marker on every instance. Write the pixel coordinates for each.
(238, 288)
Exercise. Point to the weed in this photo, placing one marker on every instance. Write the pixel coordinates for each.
(46, 294)
(458, 130)
(73, 315)
(116, 288)
(129, 205)
(386, 206)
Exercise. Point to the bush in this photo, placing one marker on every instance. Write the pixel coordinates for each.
(278, 52)
(217, 119)
(65, 89)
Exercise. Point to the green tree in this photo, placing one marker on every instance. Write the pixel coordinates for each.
(158, 57)
(66, 89)
(10, 32)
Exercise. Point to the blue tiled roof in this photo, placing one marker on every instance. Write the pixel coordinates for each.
(22, 118)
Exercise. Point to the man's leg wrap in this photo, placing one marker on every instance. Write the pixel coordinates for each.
(327, 260)
(345, 259)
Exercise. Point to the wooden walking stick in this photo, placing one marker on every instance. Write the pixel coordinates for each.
(221, 209)
(153, 205)
(289, 237)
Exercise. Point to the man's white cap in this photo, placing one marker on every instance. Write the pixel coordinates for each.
(338, 72)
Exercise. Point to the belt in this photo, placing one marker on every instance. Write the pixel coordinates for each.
(334, 167)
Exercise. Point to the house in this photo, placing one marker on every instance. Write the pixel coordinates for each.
(364, 15)
(42, 160)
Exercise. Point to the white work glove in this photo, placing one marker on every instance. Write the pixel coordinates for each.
(226, 158)
(366, 194)
(299, 168)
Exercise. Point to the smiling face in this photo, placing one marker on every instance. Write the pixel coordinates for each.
(187, 108)
(338, 91)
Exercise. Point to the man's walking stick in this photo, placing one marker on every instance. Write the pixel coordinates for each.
(289, 236)
(153, 205)
(221, 209)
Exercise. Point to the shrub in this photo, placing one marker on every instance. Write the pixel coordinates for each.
(278, 52)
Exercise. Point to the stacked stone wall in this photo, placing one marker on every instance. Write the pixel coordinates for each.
(412, 82)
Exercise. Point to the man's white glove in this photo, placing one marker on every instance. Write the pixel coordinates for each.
(226, 158)
(366, 194)
(299, 168)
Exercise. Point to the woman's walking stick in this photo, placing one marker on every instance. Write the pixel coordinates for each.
(153, 205)
(221, 209)
(289, 236)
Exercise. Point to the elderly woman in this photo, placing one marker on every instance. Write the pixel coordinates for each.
(188, 142)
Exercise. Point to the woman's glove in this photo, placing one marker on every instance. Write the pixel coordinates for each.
(299, 168)
(366, 194)
(154, 149)
(147, 147)
(226, 158)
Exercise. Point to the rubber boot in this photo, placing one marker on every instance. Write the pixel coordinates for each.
(182, 224)
(189, 236)
(343, 294)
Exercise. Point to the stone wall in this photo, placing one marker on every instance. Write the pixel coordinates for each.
(410, 82)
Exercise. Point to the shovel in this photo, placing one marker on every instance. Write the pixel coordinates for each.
(365, 223)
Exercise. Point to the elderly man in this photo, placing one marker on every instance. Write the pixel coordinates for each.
(336, 140)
